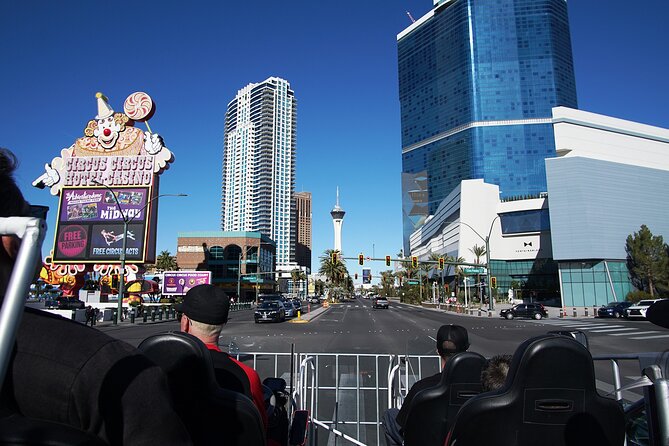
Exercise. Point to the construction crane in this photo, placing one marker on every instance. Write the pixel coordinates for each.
(411, 17)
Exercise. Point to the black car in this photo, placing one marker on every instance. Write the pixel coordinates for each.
(534, 311)
(64, 303)
(613, 309)
(270, 311)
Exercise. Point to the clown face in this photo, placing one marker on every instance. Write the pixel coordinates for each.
(107, 132)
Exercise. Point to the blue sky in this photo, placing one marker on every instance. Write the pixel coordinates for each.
(341, 60)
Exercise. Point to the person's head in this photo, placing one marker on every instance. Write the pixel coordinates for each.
(12, 204)
(494, 373)
(205, 311)
(451, 339)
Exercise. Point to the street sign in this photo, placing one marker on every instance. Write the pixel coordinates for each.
(412, 282)
(474, 270)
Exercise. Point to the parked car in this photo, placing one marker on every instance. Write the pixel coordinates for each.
(534, 311)
(270, 311)
(613, 309)
(64, 303)
(291, 311)
(639, 309)
(380, 302)
(297, 303)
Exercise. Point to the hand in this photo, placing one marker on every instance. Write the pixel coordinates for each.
(153, 143)
(48, 178)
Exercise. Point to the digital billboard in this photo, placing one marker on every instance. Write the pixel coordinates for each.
(179, 282)
(90, 224)
(366, 276)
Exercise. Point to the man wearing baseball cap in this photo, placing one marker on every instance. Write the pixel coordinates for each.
(451, 339)
(205, 311)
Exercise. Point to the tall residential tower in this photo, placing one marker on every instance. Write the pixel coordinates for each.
(477, 82)
(259, 164)
(303, 229)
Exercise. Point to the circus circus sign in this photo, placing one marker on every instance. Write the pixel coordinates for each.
(105, 178)
(112, 151)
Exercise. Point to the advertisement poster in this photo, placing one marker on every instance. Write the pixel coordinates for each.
(90, 224)
(366, 276)
(179, 282)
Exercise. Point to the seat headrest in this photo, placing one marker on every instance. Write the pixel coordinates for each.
(183, 357)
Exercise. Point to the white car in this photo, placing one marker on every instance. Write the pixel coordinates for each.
(639, 309)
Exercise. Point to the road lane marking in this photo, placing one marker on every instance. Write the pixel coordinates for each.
(608, 330)
(636, 334)
(650, 337)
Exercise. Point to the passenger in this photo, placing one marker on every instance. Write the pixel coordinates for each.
(494, 374)
(205, 311)
(451, 339)
(66, 372)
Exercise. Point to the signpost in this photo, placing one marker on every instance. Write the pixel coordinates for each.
(474, 270)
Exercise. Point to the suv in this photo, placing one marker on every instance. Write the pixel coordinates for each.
(535, 311)
(613, 309)
(639, 308)
(380, 302)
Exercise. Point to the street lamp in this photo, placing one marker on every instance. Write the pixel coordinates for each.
(487, 258)
(126, 221)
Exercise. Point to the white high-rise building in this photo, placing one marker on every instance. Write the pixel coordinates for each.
(259, 164)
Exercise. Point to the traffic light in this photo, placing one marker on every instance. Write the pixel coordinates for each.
(387, 260)
(414, 261)
(356, 276)
(334, 257)
(361, 259)
(441, 263)
(493, 282)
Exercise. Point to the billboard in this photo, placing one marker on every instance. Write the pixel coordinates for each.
(366, 276)
(179, 282)
(89, 226)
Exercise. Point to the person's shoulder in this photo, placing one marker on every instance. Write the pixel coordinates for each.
(49, 335)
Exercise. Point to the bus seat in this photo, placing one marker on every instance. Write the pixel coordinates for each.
(211, 414)
(433, 410)
(549, 399)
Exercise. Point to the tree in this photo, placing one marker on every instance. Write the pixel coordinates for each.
(335, 273)
(647, 260)
(387, 282)
(479, 251)
(166, 262)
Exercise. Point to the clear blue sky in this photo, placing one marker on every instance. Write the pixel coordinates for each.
(341, 60)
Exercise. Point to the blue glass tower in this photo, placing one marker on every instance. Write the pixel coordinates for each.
(477, 82)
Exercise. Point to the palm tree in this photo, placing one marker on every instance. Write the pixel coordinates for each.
(166, 262)
(334, 272)
(297, 275)
(387, 281)
(478, 251)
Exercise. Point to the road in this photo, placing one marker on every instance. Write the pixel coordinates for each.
(350, 343)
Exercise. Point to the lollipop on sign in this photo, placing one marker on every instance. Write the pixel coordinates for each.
(139, 107)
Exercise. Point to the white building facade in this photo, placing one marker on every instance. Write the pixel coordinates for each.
(565, 246)
(259, 164)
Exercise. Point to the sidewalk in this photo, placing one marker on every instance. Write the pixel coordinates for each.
(553, 312)
(305, 318)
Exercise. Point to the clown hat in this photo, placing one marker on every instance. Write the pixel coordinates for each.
(104, 110)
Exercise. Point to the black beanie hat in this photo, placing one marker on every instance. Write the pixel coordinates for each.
(207, 304)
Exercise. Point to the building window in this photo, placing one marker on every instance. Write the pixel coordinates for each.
(525, 221)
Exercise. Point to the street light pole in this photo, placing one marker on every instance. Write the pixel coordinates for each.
(126, 221)
(486, 240)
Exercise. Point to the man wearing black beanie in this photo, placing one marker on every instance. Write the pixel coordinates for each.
(205, 311)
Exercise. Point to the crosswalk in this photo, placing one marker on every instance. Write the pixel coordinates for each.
(606, 328)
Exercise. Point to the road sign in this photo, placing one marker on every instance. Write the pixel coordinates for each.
(412, 282)
(474, 270)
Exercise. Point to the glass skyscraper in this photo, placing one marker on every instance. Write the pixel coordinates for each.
(259, 164)
(477, 82)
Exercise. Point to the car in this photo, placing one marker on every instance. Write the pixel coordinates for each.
(380, 302)
(613, 309)
(270, 311)
(639, 309)
(291, 311)
(64, 303)
(534, 311)
(314, 300)
(297, 303)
